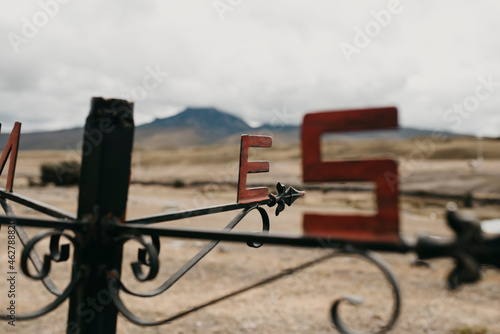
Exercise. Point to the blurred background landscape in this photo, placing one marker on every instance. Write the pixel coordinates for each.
(200, 74)
(434, 168)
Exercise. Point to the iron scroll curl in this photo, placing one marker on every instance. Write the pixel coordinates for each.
(43, 273)
(149, 250)
(149, 255)
(265, 227)
(35, 260)
(115, 285)
(389, 277)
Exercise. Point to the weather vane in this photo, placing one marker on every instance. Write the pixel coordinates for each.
(99, 230)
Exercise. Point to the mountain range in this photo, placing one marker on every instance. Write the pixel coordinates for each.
(198, 126)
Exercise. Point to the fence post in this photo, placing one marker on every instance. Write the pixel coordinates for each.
(105, 175)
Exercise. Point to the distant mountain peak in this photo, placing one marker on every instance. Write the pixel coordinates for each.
(208, 121)
(195, 115)
(201, 126)
(203, 110)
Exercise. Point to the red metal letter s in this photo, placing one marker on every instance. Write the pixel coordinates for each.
(384, 226)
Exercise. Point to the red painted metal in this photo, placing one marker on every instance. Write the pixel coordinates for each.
(383, 226)
(253, 194)
(11, 148)
(100, 227)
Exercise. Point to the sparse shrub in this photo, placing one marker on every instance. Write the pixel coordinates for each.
(178, 183)
(32, 182)
(470, 330)
(468, 199)
(63, 173)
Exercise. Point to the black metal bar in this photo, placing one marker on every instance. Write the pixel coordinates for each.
(287, 272)
(43, 223)
(194, 213)
(105, 174)
(37, 205)
(193, 261)
(403, 246)
(285, 196)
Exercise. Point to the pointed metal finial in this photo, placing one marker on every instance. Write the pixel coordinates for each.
(287, 197)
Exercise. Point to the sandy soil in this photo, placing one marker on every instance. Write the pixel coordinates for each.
(296, 304)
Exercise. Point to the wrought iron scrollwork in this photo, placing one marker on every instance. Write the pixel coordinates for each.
(115, 285)
(58, 254)
(372, 258)
(43, 273)
(142, 254)
(35, 259)
(152, 250)
(149, 255)
(470, 248)
(265, 227)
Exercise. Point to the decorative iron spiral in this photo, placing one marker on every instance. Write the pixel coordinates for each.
(149, 256)
(265, 227)
(115, 285)
(380, 264)
(56, 255)
(146, 255)
(54, 241)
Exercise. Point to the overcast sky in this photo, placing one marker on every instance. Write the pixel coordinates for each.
(437, 61)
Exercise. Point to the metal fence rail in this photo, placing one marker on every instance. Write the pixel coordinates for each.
(99, 231)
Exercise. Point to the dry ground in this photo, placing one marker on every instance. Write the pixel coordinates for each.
(297, 304)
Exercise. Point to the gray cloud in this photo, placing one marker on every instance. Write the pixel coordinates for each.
(263, 56)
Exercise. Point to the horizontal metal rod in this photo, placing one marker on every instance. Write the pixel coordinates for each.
(297, 241)
(37, 205)
(287, 272)
(191, 263)
(193, 213)
(43, 223)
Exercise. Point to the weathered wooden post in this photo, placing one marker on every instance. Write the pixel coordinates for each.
(105, 174)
